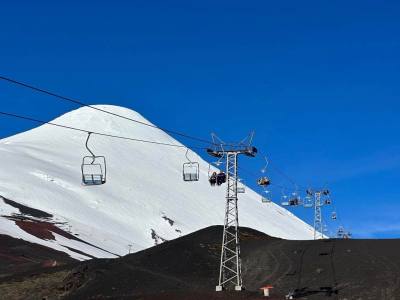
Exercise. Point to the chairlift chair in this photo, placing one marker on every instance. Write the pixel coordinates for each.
(294, 201)
(93, 168)
(284, 201)
(308, 202)
(343, 234)
(216, 178)
(221, 178)
(241, 190)
(265, 200)
(190, 170)
(212, 177)
(263, 181)
(334, 216)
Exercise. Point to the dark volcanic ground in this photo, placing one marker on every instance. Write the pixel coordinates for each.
(187, 268)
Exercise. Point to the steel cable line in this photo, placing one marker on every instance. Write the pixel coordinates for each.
(97, 133)
(279, 170)
(82, 104)
(251, 173)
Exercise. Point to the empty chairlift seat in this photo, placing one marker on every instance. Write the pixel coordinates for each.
(94, 170)
(265, 200)
(241, 190)
(93, 167)
(191, 171)
(240, 187)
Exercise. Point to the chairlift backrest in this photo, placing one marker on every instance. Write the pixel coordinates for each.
(94, 170)
(191, 171)
(265, 200)
(240, 187)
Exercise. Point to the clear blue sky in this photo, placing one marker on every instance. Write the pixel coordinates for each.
(317, 80)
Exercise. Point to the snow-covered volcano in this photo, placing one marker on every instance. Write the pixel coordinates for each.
(144, 201)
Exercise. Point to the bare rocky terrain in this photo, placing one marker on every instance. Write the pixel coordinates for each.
(187, 268)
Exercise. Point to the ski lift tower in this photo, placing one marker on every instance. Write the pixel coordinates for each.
(318, 204)
(230, 272)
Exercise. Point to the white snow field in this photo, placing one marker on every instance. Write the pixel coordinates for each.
(144, 201)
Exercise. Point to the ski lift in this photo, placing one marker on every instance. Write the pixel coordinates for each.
(93, 167)
(265, 200)
(221, 178)
(263, 181)
(212, 177)
(343, 234)
(216, 178)
(241, 187)
(284, 201)
(308, 202)
(190, 169)
(334, 216)
(325, 228)
(295, 201)
(327, 201)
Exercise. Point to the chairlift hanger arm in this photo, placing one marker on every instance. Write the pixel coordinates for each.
(87, 146)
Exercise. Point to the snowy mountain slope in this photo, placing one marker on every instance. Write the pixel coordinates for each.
(144, 201)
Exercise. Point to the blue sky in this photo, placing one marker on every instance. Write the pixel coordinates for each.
(316, 80)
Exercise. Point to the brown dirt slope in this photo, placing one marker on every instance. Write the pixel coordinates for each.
(187, 268)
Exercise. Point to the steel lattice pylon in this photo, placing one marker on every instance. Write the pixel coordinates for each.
(318, 204)
(318, 230)
(230, 271)
(230, 266)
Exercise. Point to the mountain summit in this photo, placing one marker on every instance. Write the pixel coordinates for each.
(144, 202)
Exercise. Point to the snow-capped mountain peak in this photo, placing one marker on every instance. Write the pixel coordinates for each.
(144, 202)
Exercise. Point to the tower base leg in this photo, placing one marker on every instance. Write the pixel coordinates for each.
(238, 288)
(218, 288)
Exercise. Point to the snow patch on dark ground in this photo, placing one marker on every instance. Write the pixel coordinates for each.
(40, 224)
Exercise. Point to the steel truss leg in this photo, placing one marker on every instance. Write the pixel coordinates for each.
(230, 272)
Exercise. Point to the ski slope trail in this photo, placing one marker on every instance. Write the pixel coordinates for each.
(144, 202)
